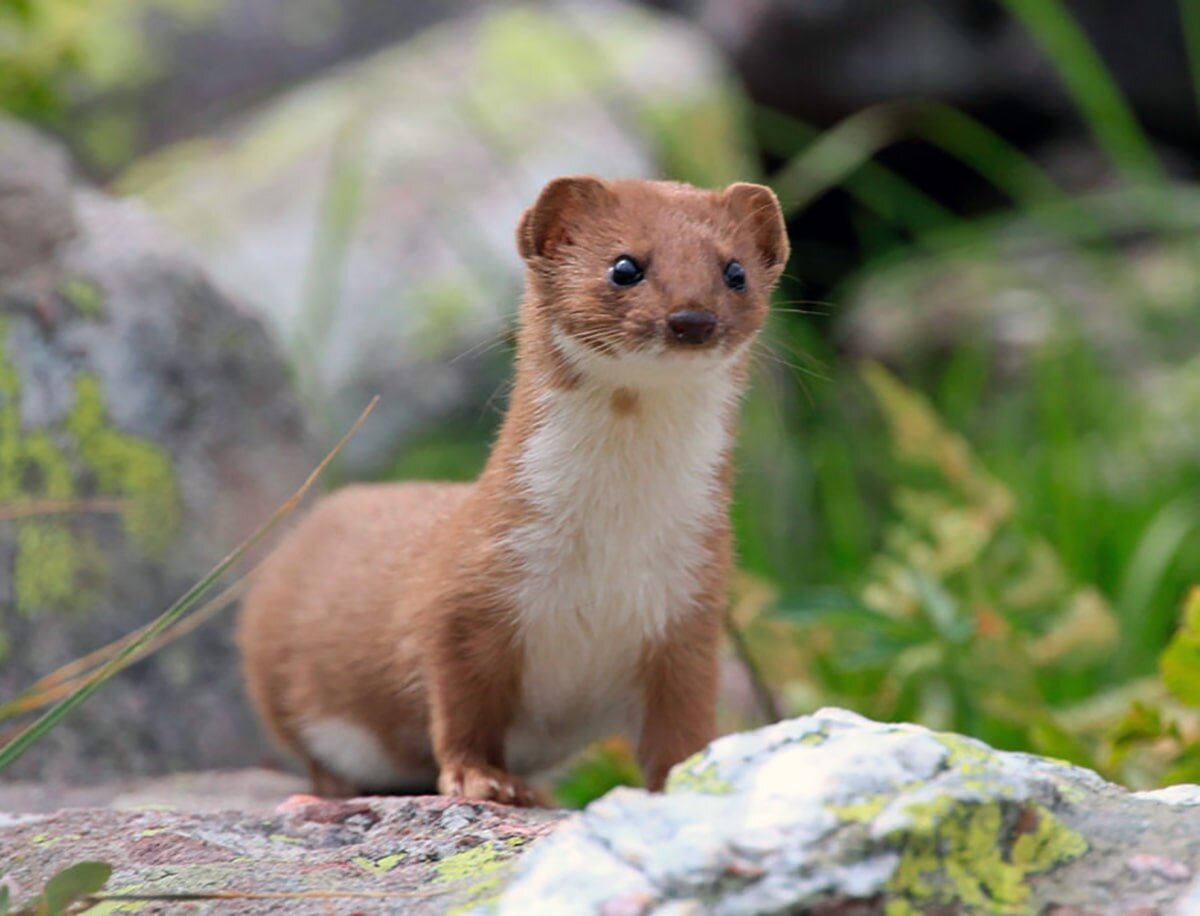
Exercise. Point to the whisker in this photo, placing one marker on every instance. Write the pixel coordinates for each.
(485, 345)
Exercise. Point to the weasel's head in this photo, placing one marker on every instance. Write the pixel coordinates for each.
(650, 278)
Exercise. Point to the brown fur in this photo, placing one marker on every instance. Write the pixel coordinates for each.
(388, 605)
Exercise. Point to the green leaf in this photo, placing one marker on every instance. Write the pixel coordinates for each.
(1185, 767)
(73, 883)
(1179, 663)
(3, 900)
(1180, 667)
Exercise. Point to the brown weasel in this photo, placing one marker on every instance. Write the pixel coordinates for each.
(470, 636)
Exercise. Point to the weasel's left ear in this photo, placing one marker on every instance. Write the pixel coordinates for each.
(756, 207)
(551, 223)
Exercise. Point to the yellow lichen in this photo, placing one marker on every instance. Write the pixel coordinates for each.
(483, 865)
(690, 777)
(379, 866)
(966, 856)
(860, 812)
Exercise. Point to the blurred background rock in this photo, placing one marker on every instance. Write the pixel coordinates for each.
(306, 202)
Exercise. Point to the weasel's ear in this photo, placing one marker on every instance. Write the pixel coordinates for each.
(756, 207)
(548, 226)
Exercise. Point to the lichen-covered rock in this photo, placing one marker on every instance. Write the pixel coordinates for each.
(127, 382)
(835, 813)
(369, 214)
(369, 855)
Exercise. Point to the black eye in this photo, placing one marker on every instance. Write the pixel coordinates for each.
(735, 276)
(625, 271)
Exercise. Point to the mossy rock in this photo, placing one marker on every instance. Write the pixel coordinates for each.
(146, 425)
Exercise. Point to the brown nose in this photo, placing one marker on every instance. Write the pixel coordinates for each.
(692, 326)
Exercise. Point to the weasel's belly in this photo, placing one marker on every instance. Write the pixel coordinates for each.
(578, 684)
(535, 747)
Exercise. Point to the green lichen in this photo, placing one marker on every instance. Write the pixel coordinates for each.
(124, 465)
(58, 566)
(484, 866)
(379, 866)
(85, 296)
(45, 569)
(966, 856)
(689, 776)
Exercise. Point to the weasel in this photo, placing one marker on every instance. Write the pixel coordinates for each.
(471, 636)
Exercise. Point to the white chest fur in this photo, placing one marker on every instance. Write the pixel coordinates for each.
(623, 502)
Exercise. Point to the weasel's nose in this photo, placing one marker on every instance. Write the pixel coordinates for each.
(692, 326)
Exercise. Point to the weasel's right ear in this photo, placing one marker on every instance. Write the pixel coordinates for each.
(546, 227)
(756, 208)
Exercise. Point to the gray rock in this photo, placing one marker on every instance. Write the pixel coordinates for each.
(35, 197)
(835, 813)
(298, 856)
(126, 377)
(369, 215)
(259, 46)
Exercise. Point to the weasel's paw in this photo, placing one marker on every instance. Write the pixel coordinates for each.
(482, 783)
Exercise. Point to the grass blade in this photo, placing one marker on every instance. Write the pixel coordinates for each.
(1090, 85)
(1189, 16)
(64, 680)
(19, 745)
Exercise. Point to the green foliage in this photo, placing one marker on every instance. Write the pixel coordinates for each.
(72, 884)
(64, 891)
(605, 766)
(53, 52)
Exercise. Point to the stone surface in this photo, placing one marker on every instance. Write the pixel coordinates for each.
(830, 813)
(369, 214)
(833, 813)
(1026, 289)
(305, 855)
(127, 377)
(262, 46)
(35, 197)
(206, 790)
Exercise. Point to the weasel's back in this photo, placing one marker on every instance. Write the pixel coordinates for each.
(310, 627)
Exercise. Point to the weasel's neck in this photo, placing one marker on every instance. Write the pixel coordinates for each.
(572, 441)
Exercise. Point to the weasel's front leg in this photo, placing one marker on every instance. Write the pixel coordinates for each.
(473, 681)
(679, 694)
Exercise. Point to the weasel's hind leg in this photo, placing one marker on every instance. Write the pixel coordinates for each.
(327, 783)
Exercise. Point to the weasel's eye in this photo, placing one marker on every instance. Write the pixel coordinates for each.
(735, 276)
(625, 271)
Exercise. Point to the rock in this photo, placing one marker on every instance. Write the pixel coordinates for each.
(1025, 291)
(262, 46)
(304, 856)
(833, 813)
(830, 813)
(368, 216)
(126, 377)
(35, 198)
(212, 790)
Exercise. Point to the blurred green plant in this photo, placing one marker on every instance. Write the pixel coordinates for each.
(66, 891)
(53, 52)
